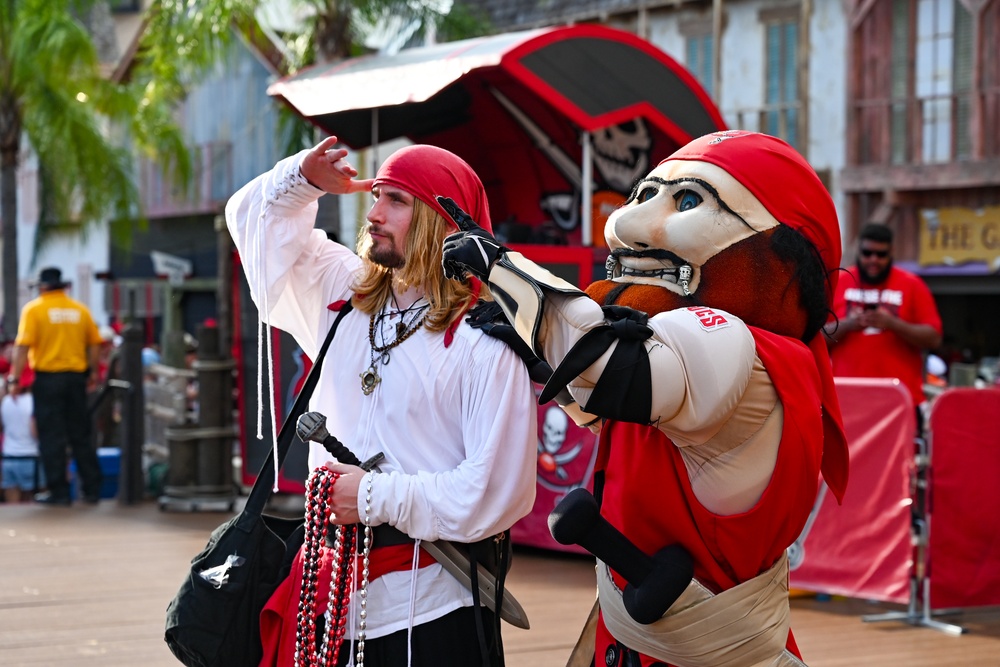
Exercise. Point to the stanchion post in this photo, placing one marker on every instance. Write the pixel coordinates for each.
(918, 611)
(215, 456)
(131, 485)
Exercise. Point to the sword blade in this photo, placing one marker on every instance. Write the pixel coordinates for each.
(457, 564)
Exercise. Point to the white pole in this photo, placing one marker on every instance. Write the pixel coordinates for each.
(586, 193)
(374, 140)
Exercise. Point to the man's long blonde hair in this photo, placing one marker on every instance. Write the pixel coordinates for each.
(421, 268)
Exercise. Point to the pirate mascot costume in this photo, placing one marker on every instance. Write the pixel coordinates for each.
(701, 355)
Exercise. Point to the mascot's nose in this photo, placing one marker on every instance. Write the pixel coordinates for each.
(639, 228)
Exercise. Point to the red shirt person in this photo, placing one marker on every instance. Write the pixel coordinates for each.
(885, 317)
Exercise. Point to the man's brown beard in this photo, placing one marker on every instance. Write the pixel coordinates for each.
(746, 279)
(387, 257)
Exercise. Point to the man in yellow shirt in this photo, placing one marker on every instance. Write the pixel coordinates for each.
(58, 339)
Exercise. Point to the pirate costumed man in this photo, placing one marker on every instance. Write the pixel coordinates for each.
(702, 355)
(405, 377)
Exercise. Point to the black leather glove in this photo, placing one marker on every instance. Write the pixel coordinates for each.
(488, 316)
(471, 250)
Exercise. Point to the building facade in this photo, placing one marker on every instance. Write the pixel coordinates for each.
(895, 103)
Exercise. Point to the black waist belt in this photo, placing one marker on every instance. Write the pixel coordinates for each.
(387, 536)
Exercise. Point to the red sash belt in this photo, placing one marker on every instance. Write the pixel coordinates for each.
(277, 620)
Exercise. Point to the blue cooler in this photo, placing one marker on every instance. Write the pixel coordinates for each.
(109, 458)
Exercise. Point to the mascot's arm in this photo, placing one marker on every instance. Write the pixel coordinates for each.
(550, 316)
(704, 387)
(694, 365)
(630, 370)
(702, 366)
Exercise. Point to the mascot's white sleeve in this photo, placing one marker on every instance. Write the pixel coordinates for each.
(700, 360)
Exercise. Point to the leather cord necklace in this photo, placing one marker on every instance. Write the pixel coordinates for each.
(380, 353)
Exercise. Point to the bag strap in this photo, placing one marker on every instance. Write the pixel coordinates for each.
(261, 490)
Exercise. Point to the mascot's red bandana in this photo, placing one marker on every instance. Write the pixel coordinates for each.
(427, 172)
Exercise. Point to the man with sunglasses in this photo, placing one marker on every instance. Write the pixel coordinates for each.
(885, 317)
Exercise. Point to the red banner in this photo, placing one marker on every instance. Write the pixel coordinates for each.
(862, 548)
(965, 494)
(566, 457)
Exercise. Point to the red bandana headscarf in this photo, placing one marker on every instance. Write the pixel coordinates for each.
(429, 172)
(790, 190)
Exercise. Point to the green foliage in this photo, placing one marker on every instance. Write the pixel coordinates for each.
(80, 124)
(62, 102)
(185, 38)
(335, 29)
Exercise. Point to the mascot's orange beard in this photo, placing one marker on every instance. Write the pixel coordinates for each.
(746, 279)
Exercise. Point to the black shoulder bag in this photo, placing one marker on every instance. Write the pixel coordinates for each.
(214, 620)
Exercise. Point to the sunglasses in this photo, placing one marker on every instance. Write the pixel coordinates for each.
(881, 254)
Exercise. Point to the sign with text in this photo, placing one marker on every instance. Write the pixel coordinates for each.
(953, 236)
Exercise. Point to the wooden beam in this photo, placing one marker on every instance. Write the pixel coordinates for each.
(802, 129)
(975, 6)
(717, 49)
(860, 12)
(945, 176)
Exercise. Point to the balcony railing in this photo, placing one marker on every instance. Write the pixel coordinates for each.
(926, 130)
(211, 184)
(779, 120)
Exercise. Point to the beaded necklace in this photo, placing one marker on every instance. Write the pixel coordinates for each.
(380, 353)
(317, 525)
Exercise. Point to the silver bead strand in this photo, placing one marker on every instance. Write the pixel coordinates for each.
(365, 554)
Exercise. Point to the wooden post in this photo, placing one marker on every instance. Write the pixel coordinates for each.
(215, 451)
(131, 485)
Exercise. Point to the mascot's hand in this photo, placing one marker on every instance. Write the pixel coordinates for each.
(488, 316)
(471, 250)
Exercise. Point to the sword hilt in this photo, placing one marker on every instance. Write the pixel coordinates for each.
(311, 427)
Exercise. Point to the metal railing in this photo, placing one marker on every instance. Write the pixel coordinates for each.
(779, 119)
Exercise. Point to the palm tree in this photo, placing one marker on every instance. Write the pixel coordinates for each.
(337, 29)
(53, 95)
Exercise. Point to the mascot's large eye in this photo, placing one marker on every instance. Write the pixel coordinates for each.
(687, 199)
(645, 194)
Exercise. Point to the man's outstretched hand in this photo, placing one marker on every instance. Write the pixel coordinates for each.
(472, 250)
(326, 167)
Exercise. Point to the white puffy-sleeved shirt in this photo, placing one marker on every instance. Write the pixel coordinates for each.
(457, 425)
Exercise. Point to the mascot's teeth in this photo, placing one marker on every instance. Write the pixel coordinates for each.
(661, 274)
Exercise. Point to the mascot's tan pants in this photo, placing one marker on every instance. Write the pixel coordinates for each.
(745, 626)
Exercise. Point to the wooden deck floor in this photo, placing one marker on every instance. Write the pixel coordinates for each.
(87, 587)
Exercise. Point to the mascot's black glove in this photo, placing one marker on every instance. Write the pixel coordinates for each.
(488, 316)
(471, 250)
